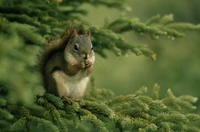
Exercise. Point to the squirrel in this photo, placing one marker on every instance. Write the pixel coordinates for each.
(66, 63)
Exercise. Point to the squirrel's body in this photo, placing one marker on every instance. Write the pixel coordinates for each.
(71, 86)
(66, 64)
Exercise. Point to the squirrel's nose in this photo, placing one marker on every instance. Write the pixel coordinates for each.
(85, 56)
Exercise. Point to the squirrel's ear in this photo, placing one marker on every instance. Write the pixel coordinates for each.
(88, 33)
(70, 33)
(74, 33)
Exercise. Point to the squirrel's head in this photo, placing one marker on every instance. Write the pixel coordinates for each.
(79, 51)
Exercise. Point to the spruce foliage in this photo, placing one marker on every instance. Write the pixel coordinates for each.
(25, 26)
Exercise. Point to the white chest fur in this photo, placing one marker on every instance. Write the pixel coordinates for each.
(71, 86)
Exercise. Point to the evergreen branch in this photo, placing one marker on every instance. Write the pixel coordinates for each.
(133, 124)
(183, 26)
(5, 114)
(155, 26)
(135, 112)
(99, 108)
(155, 93)
(100, 94)
(188, 98)
(43, 28)
(124, 24)
(19, 10)
(24, 31)
(89, 117)
(54, 100)
(106, 39)
(193, 117)
(21, 19)
(35, 124)
(152, 20)
(178, 103)
(52, 113)
(18, 125)
(18, 110)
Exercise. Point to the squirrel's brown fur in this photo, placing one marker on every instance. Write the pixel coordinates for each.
(58, 45)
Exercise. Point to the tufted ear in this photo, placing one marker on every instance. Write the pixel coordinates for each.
(74, 33)
(88, 33)
(69, 33)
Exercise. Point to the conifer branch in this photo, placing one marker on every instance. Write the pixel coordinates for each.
(107, 39)
(134, 112)
(155, 26)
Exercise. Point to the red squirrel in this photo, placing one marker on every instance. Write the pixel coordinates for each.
(66, 63)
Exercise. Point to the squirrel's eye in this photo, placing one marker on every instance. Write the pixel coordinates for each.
(76, 47)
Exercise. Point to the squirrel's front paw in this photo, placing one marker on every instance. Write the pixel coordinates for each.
(88, 64)
(68, 100)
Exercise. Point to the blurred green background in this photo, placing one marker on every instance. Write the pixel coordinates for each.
(177, 64)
